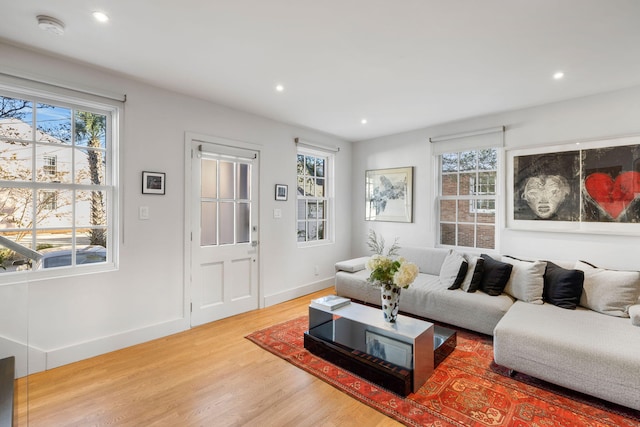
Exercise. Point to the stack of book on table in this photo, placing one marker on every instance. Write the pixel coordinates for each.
(330, 302)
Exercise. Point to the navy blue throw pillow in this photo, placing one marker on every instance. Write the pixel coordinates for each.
(562, 287)
(496, 275)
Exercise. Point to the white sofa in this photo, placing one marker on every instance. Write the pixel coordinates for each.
(427, 296)
(581, 349)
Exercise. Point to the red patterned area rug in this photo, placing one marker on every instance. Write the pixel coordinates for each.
(467, 389)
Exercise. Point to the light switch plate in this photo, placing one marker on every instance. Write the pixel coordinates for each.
(143, 212)
(277, 213)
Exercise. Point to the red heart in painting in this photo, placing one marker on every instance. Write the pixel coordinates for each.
(613, 196)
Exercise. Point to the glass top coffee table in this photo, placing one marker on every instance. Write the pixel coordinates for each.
(398, 356)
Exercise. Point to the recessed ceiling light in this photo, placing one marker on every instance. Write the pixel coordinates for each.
(50, 25)
(279, 88)
(558, 75)
(100, 16)
(363, 121)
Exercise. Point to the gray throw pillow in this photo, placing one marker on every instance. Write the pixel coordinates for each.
(609, 292)
(526, 282)
(453, 270)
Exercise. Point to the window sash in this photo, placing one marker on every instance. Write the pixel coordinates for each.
(47, 164)
(308, 228)
(467, 225)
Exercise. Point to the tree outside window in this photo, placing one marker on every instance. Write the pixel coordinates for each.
(53, 186)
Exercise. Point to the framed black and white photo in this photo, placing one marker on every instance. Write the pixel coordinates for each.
(153, 182)
(389, 195)
(281, 192)
(590, 187)
(394, 351)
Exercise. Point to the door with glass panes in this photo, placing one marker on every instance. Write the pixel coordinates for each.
(224, 219)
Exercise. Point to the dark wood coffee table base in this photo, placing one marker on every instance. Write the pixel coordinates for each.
(385, 374)
(392, 377)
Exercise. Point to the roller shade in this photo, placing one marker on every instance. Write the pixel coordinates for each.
(473, 140)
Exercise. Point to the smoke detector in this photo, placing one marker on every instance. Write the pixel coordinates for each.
(51, 25)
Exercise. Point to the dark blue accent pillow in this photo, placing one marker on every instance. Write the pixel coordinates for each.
(562, 287)
(476, 278)
(496, 275)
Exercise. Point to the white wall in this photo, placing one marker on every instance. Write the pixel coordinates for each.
(593, 117)
(76, 317)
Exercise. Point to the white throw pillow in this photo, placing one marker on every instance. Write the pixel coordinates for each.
(609, 292)
(527, 280)
(453, 270)
(634, 313)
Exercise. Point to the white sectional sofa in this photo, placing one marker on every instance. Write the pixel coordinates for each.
(583, 349)
(427, 296)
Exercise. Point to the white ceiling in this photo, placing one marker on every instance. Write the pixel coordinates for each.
(401, 64)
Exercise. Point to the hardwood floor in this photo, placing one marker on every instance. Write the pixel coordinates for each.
(207, 376)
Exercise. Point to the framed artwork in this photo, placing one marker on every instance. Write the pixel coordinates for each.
(153, 182)
(389, 195)
(583, 187)
(394, 351)
(281, 191)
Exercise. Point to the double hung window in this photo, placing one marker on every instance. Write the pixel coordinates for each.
(467, 198)
(57, 183)
(468, 192)
(314, 195)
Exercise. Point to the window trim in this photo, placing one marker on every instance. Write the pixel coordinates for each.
(329, 198)
(498, 197)
(16, 87)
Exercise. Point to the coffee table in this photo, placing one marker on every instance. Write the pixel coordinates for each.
(398, 356)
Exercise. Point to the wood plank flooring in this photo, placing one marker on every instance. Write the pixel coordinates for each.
(207, 376)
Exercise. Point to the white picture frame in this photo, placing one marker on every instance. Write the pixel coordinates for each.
(153, 182)
(577, 162)
(393, 351)
(389, 194)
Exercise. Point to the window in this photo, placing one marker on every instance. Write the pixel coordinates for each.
(467, 198)
(49, 165)
(225, 200)
(57, 185)
(314, 198)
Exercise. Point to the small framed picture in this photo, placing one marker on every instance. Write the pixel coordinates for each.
(281, 191)
(394, 351)
(153, 182)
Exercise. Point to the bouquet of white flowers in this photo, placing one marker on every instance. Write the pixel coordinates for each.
(388, 269)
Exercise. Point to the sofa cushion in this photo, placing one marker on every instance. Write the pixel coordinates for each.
(473, 278)
(580, 349)
(428, 260)
(352, 265)
(453, 270)
(526, 282)
(634, 313)
(609, 292)
(562, 287)
(495, 276)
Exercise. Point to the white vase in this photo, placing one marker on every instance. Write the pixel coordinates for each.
(390, 295)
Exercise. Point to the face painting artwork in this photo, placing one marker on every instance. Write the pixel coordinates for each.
(545, 193)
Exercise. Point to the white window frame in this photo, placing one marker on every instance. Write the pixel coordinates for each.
(50, 164)
(462, 142)
(471, 198)
(480, 191)
(328, 198)
(111, 107)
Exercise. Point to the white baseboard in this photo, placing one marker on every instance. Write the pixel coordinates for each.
(300, 291)
(40, 360)
(85, 350)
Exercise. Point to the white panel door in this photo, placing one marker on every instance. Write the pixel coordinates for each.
(224, 231)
